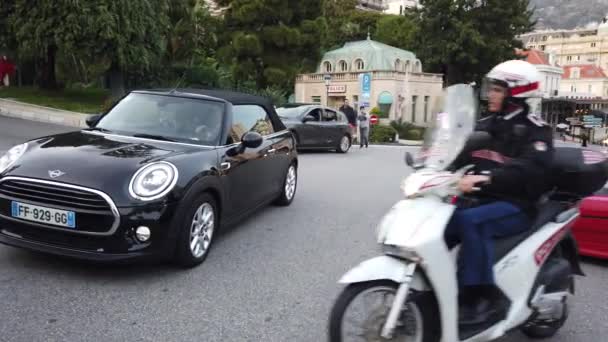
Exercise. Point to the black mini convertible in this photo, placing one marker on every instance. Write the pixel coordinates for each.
(152, 177)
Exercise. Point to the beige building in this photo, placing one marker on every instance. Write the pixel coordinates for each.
(578, 46)
(372, 5)
(584, 82)
(399, 7)
(398, 86)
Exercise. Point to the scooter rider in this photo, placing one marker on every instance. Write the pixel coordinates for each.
(509, 176)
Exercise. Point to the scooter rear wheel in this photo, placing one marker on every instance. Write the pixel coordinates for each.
(418, 322)
(542, 330)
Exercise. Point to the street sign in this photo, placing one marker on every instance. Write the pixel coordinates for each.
(327, 79)
(337, 88)
(366, 86)
(373, 119)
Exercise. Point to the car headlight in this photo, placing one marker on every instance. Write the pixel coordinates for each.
(153, 181)
(12, 156)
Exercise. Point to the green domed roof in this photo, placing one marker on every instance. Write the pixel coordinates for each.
(375, 55)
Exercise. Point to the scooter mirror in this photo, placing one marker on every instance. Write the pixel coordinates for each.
(409, 159)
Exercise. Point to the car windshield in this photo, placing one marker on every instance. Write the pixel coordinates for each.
(290, 112)
(167, 118)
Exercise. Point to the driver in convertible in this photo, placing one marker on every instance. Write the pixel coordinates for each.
(508, 179)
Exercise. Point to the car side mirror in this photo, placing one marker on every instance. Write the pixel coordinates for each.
(252, 140)
(308, 118)
(92, 120)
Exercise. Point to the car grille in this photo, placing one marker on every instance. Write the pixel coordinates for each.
(95, 213)
(54, 195)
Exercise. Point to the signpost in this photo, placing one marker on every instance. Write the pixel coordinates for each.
(366, 86)
(327, 79)
(373, 119)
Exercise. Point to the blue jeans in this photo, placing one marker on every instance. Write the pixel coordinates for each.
(476, 228)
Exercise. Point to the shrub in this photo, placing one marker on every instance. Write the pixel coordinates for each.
(378, 112)
(382, 134)
(407, 130)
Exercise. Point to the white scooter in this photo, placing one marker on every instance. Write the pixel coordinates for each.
(411, 292)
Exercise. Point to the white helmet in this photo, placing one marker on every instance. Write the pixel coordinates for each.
(519, 77)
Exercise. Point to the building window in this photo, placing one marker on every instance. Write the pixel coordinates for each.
(590, 89)
(398, 65)
(316, 99)
(572, 88)
(418, 67)
(359, 65)
(408, 66)
(592, 44)
(569, 58)
(542, 47)
(426, 109)
(544, 38)
(414, 99)
(343, 66)
(327, 66)
(578, 58)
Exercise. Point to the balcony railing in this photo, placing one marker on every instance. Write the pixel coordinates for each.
(376, 75)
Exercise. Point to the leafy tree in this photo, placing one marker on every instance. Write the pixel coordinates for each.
(396, 30)
(464, 38)
(350, 26)
(192, 31)
(7, 35)
(270, 41)
(127, 36)
(41, 30)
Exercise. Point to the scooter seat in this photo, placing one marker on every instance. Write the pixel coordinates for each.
(547, 212)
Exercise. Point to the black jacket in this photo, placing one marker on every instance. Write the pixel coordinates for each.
(518, 159)
(350, 114)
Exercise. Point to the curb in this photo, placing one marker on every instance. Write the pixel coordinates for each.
(27, 111)
(410, 142)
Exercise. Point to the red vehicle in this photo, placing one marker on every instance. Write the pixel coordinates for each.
(591, 228)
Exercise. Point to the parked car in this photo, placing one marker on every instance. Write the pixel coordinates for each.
(155, 176)
(317, 127)
(591, 228)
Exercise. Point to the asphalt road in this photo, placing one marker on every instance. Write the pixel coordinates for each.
(272, 278)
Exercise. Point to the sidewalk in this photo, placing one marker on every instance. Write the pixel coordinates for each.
(20, 110)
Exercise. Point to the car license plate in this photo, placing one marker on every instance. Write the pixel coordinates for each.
(36, 213)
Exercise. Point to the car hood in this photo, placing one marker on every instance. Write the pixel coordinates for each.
(93, 160)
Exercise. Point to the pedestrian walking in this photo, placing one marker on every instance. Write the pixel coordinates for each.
(584, 139)
(351, 116)
(363, 119)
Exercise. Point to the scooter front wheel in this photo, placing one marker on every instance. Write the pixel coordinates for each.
(361, 309)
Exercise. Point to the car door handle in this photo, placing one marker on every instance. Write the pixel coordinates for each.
(225, 166)
(272, 150)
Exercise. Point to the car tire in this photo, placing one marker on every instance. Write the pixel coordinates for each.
(197, 222)
(344, 144)
(290, 185)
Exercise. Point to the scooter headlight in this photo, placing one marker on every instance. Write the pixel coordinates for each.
(401, 253)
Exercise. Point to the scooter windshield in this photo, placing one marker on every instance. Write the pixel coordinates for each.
(452, 125)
